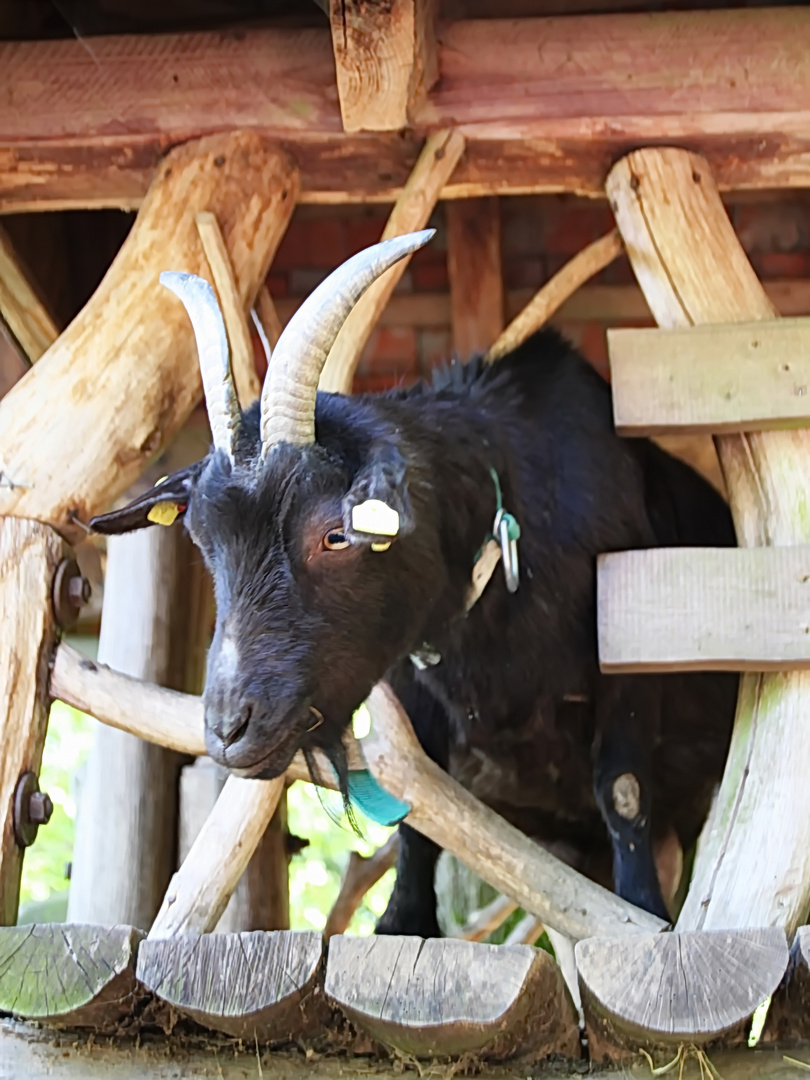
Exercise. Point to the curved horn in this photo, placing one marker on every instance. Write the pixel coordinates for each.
(200, 301)
(291, 384)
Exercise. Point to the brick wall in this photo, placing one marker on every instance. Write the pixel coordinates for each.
(539, 235)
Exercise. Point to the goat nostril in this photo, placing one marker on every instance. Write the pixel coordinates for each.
(234, 731)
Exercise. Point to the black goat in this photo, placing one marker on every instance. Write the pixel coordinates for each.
(313, 610)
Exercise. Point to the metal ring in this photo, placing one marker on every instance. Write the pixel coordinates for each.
(509, 555)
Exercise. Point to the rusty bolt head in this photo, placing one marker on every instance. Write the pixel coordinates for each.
(70, 592)
(32, 808)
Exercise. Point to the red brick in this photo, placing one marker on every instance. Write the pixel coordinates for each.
(571, 226)
(782, 264)
(593, 344)
(390, 350)
(277, 284)
(772, 227)
(429, 278)
(302, 281)
(313, 242)
(375, 383)
(524, 273)
(364, 231)
(434, 347)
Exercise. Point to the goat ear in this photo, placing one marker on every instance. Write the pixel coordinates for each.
(158, 506)
(377, 507)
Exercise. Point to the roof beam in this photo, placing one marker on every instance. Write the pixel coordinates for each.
(545, 105)
(385, 60)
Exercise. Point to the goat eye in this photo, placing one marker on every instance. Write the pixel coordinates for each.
(335, 540)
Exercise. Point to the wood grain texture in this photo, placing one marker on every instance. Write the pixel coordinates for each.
(124, 376)
(475, 272)
(385, 60)
(21, 306)
(29, 555)
(704, 609)
(677, 988)
(70, 976)
(499, 853)
(413, 208)
(248, 387)
(165, 717)
(692, 270)
(715, 379)
(557, 290)
(448, 997)
(273, 991)
(546, 104)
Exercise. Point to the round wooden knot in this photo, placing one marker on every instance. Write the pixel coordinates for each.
(627, 796)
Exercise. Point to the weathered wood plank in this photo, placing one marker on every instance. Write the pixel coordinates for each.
(124, 376)
(668, 989)
(714, 378)
(692, 269)
(385, 60)
(704, 609)
(29, 555)
(475, 272)
(449, 997)
(21, 306)
(261, 987)
(73, 976)
(88, 128)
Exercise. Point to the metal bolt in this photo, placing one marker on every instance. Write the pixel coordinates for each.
(32, 808)
(70, 592)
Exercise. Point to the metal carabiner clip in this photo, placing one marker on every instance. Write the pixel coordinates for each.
(509, 552)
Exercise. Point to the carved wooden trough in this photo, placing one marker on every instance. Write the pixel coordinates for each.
(720, 365)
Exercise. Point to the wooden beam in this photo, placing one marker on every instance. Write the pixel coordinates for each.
(446, 997)
(88, 128)
(475, 272)
(704, 609)
(385, 60)
(21, 306)
(692, 269)
(29, 556)
(124, 376)
(413, 208)
(716, 379)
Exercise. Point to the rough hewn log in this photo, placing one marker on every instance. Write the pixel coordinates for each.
(494, 849)
(693, 270)
(361, 873)
(80, 135)
(476, 277)
(69, 976)
(29, 555)
(123, 377)
(631, 998)
(161, 716)
(21, 306)
(449, 997)
(704, 609)
(715, 379)
(414, 206)
(385, 60)
(260, 987)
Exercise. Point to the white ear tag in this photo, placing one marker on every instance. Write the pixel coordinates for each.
(373, 516)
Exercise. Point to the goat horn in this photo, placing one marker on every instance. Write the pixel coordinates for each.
(221, 401)
(291, 384)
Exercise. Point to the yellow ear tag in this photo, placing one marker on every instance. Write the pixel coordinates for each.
(162, 480)
(373, 516)
(381, 547)
(163, 513)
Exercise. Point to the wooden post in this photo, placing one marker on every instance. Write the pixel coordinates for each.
(474, 269)
(21, 306)
(753, 865)
(126, 835)
(29, 555)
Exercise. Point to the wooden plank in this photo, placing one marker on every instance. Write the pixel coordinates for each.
(273, 991)
(21, 306)
(70, 976)
(545, 105)
(711, 379)
(449, 997)
(704, 609)
(131, 381)
(692, 269)
(29, 555)
(475, 272)
(411, 212)
(710, 984)
(385, 60)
